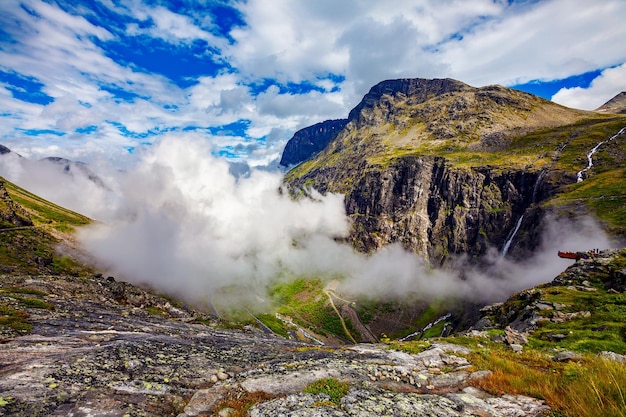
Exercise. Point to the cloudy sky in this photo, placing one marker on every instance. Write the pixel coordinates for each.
(102, 79)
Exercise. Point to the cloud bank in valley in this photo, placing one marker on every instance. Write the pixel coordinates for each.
(187, 226)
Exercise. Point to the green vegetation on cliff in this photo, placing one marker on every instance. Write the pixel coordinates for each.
(33, 248)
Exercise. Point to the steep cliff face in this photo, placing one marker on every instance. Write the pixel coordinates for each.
(444, 168)
(309, 141)
(435, 209)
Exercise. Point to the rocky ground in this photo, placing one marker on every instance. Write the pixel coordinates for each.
(98, 347)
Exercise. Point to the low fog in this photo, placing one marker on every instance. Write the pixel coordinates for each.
(180, 222)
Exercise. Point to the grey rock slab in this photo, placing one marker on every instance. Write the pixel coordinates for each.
(203, 401)
(518, 406)
(566, 356)
(612, 356)
(287, 383)
(301, 405)
(386, 403)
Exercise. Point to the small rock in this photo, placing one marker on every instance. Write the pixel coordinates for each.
(566, 356)
(612, 356)
(225, 412)
(516, 347)
(556, 337)
(222, 376)
(514, 337)
(203, 401)
(479, 375)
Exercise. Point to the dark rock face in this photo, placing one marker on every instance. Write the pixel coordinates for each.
(307, 142)
(390, 163)
(437, 210)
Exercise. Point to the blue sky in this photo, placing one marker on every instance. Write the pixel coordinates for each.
(101, 79)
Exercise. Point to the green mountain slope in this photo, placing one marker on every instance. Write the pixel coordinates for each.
(35, 235)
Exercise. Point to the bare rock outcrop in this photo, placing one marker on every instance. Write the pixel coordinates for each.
(102, 347)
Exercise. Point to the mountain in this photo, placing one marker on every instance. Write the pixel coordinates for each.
(75, 342)
(70, 167)
(447, 169)
(4, 150)
(309, 141)
(615, 105)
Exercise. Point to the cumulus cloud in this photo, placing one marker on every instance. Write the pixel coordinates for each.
(79, 57)
(603, 88)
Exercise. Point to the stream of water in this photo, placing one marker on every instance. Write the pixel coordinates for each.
(579, 175)
(508, 242)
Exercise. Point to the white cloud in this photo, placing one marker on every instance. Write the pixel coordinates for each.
(364, 41)
(603, 88)
(547, 40)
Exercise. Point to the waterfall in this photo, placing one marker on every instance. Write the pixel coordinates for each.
(579, 175)
(507, 245)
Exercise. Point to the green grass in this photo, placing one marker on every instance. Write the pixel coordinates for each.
(44, 212)
(28, 302)
(586, 388)
(332, 387)
(305, 301)
(14, 319)
(604, 194)
(274, 324)
(33, 250)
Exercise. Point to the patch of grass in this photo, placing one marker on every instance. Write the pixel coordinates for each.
(332, 387)
(155, 311)
(304, 300)
(28, 302)
(14, 319)
(591, 387)
(44, 212)
(604, 193)
(274, 324)
(241, 402)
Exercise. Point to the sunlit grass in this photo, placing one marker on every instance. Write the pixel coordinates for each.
(590, 387)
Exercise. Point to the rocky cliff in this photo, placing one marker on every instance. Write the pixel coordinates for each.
(308, 142)
(444, 168)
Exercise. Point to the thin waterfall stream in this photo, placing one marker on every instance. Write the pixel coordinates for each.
(580, 174)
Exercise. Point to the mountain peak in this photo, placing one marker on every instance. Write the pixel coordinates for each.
(419, 89)
(615, 105)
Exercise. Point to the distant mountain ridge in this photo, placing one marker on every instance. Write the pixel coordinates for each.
(615, 105)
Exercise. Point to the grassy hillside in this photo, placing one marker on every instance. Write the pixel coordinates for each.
(35, 249)
(581, 311)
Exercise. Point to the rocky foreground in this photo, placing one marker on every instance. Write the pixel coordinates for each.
(98, 347)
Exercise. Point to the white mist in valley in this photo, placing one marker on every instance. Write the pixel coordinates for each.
(180, 222)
